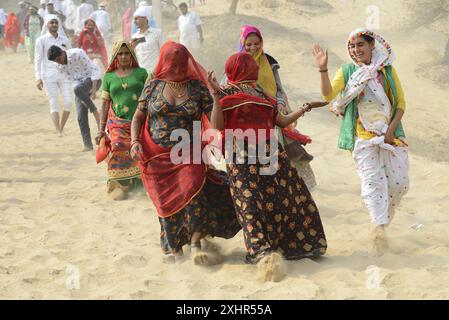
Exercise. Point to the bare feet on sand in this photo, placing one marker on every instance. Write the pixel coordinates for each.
(380, 241)
(118, 194)
(271, 267)
(205, 253)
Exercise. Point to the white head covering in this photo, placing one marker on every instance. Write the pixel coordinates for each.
(48, 18)
(366, 76)
(144, 11)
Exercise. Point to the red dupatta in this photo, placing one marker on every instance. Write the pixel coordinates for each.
(242, 110)
(12, 31)
(93, 43)
(171, 186)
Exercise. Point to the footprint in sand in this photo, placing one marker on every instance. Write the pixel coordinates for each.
(144, 295)
(132, 261)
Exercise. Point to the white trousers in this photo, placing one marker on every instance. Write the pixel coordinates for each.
(51, 89)
(383, 170)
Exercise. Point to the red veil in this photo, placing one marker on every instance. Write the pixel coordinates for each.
(93, 43)
(171, 186)
(175, 54)
(242, 110)
(12, 31)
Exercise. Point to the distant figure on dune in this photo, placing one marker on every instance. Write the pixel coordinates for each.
(12, 32)
(93, 43)
(103, 21)
(82, 14)
(2, 29)
(372, 105)
(33, 28)
(127, 21)
(192, 200)
(47, 75)
(43, 9)
(190, 29)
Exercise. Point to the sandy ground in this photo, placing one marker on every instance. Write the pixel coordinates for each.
(57, 225)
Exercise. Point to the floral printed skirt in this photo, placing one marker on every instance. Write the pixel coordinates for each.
(210, 212)
(276, 211)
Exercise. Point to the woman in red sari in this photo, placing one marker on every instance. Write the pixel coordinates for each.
(192, 199)
(273, 204)
(91, 41)
(12, 32)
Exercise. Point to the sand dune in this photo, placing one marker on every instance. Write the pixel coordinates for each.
(57, 224)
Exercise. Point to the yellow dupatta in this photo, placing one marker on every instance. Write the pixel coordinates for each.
(266, 76)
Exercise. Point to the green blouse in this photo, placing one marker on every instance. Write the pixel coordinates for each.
(124, 92)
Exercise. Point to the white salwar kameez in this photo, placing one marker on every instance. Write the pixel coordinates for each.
(383, 170)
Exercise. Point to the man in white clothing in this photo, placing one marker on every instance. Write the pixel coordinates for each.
(190, 29)
(47, 75)
(83, 13)
(77, 66)
(43, 9)
(70, 14)
(147, 41)
(103, 21)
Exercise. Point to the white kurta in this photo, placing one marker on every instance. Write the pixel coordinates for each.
(83, 13)
(47, 71)
(103, 21)
(70, 12)
(148, 52)
(189, 35)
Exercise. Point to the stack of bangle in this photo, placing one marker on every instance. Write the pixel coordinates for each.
(324, 70)
(134, 142)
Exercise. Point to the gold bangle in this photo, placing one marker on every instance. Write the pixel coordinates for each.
(324, 70)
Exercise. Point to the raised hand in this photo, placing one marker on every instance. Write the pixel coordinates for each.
(213, 83)
(321, 56)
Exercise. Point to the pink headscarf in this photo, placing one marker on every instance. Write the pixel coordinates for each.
(245, 31)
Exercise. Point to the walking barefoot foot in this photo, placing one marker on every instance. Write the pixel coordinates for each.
(168, 259)
(380, 241)
(271, 268)
(179, 257)
(202, 257)
(118, 194)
